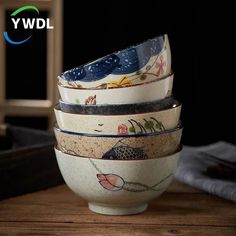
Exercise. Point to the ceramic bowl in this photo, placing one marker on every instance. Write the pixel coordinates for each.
(119, 124)
(113, 109)
(146, 92)
(117, 187)
(119, 147)
(129, 66)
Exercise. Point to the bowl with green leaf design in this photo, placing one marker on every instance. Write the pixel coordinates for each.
(114, 187)
(120, 147)
(156, 89)
(126, 67)
(149, 122)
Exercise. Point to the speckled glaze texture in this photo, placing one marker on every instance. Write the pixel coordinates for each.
(123, 68)
(124, 109)
(117, 187)
(146, 92)
(119, 124)
(119, 147)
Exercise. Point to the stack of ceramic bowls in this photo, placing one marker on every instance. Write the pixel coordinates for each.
(118, 134)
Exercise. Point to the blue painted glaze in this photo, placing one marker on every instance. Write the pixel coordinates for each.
(126, 61)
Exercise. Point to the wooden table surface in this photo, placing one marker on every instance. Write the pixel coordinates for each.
(181, 210)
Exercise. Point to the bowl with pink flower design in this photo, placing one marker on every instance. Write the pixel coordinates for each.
(114, 187)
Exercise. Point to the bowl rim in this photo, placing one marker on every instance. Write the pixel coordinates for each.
(176, 105)
(169, 76)
(179, 127)
(119, 109)
(178, 150)
(165, 36)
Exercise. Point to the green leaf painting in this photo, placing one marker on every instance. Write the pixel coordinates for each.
(150, 125)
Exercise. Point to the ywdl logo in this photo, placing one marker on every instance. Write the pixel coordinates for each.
(27, 23)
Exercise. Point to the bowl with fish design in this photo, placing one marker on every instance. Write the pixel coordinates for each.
(119, 147)
(149, 122)
(117, 187)
(132, 65)
(156, 89)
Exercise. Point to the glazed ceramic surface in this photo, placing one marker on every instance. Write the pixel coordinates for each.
(119, 147)
(117, 187)
(124, 109)
(129, 66)
(119, 124)
(146, 92)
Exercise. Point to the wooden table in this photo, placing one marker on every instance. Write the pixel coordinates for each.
(181, 210)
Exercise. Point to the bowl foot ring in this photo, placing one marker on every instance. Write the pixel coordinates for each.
(116, 210)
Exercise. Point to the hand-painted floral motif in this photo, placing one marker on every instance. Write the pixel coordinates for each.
(150, 126)
(114, 182)
(160, 65)
(111, 182)
(143, 77)
(120, 83)
(91, 100)
(122, 151)
(122, 129)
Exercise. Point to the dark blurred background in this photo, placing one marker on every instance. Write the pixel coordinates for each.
(95, 28)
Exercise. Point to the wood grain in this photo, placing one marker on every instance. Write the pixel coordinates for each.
(57, 211)
(111, 229)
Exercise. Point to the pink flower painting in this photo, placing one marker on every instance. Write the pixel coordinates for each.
(160, 65)
(122, 129)
(111, 182)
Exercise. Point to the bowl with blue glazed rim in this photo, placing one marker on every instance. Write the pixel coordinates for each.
(148, 91)
(114, 109)
(148, 122)
(119, 147)
(129, 66)
(117, 187)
